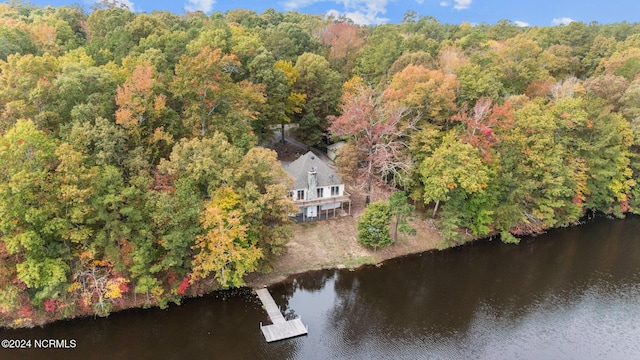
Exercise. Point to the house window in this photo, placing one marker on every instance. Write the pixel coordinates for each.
(290, 194)
(320, 192)
(300, 195)
(335, 190)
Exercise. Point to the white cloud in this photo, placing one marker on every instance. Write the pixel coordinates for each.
(562, 21)
(462, 4)
(360, 11)
(366, 18)
(126, 3)
(420, 1)
(458, 4)
(521, 23)
(333, 14)
(199, 5)
(359, 17)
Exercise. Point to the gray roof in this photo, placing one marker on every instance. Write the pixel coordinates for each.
(300, 168)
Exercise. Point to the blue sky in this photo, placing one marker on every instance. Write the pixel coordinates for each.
(523, 12)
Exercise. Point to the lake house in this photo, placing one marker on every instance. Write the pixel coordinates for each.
(318, 191)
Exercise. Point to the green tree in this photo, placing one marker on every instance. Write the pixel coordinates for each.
(206, 162)
(383, 47)
(401, 210)
(262, 185)
(281, 102)
(81, 87)
(15, 41)
(174, 210)
(455, 174)
(44, 189)
(27, 91)
(539, 186)
(321, 85)
(110, 40)
(477, 82)
(373, 226)
(630, 109)
(520, 64)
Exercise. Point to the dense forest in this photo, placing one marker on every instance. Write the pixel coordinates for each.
(131, 169)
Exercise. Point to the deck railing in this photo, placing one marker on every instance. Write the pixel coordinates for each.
(346, 198)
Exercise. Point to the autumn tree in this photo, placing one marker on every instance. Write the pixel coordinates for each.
(429, 94)
(482, 123)
(294, 102)
(608, 87)
(451, 58)
(520, 64)
(143, 113)
(378, 132)
(211, 100)
(344, 40)
(27, 84)
(225, 249)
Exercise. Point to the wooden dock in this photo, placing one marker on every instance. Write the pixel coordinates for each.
(280, 329)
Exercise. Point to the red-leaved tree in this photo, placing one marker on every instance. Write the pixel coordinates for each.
(481, 122)
(379, 135)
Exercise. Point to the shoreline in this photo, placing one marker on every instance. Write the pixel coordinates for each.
(321, 245)
(331, 244)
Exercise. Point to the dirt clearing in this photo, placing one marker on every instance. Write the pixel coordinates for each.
(332, 243)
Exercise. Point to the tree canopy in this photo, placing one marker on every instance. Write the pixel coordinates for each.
(130, 162)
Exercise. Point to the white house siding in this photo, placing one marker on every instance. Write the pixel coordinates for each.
(311, 211)
(326, 192)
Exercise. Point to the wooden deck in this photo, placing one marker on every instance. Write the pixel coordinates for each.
(281, 328)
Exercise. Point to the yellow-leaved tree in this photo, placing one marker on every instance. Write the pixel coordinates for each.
(224, 250)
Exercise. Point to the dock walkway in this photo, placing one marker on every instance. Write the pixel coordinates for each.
(281, 328)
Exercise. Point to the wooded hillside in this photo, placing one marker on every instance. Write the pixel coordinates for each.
(129, 159)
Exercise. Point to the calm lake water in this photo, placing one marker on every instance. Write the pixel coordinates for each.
(569, 294)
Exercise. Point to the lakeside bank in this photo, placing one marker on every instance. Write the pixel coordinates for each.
(332, 243)
(317, 245)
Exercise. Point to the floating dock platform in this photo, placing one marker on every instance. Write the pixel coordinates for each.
(280, 329)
